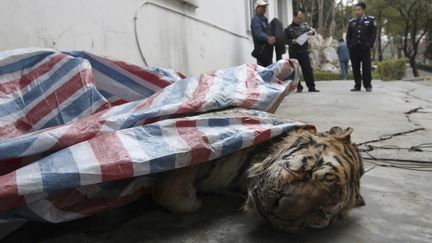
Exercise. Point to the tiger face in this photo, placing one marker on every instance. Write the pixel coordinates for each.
(306, 180)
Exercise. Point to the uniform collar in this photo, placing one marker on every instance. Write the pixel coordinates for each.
(294, 23)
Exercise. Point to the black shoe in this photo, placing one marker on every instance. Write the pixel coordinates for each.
(368, 89)
(355, 90)
(314, 90)
(299, 89)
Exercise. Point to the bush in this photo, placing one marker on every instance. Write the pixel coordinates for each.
(324, 76)
(392, 69)
(319, 75)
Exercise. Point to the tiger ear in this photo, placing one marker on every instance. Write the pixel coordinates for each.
(360, 202)
(342, 135)
(335, 130)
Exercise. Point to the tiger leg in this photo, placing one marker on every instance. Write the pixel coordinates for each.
(175, 190)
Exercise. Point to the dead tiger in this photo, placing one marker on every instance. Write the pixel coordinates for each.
(298, 181)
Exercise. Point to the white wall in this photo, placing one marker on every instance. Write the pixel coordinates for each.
(106, 27)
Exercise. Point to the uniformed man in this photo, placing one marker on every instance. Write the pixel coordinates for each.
(300, 52)
(361, 37)
(263, 42)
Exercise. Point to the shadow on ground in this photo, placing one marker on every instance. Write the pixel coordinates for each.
(219, 220)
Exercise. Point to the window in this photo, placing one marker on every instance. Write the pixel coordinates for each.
(282, 11)
(190, 3)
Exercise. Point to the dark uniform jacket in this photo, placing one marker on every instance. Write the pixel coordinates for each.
(276, 30)
(361, 32)
(292, 32)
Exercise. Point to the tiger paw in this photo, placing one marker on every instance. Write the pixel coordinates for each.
(183, 206)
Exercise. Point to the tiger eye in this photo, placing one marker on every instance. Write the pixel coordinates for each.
(286, 165)
(330, 177)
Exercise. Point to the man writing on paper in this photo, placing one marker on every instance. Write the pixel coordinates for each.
(297, 35)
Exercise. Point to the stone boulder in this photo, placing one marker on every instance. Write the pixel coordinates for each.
(323, 54)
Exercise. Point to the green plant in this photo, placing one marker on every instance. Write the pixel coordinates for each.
(392, 69)
(324, 76)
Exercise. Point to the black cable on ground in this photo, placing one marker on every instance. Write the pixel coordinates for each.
(415, 168)
(416, 148)
(390, 136)
(416, 165)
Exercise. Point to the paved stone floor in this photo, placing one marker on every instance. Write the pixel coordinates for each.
(399, 201)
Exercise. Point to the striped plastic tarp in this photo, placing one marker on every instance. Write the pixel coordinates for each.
(81, 133)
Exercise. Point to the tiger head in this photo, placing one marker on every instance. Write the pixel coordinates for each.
(306, 180)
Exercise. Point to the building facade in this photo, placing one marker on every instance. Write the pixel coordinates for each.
(192, 36)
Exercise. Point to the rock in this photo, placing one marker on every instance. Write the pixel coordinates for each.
(328, 67)
(323, 53)
(316, 41)
(315, 58)
(330, 55)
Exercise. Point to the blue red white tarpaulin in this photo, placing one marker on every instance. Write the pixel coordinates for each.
(81, 133)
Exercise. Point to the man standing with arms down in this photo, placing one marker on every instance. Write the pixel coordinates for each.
(263, 42)
(361, 37)
(343, 54)
(300, 51)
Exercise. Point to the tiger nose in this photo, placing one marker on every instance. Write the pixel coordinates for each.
(288, 207)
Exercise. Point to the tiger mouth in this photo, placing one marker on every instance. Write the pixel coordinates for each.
(294, 226)
(299, 223)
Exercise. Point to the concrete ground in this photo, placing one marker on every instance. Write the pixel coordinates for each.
(399, 201)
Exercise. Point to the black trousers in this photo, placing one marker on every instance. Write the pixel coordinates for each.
(264, 63)
(264, 55)
(279, 50)
(361, 56)
(304, 61)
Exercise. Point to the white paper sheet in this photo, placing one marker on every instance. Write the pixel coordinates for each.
(302, 39)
